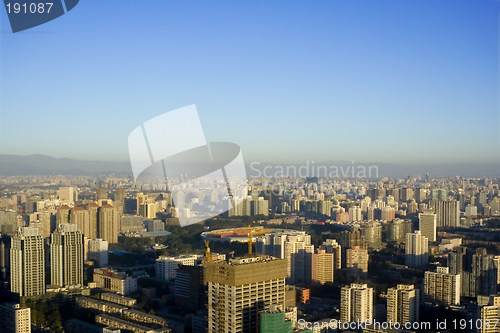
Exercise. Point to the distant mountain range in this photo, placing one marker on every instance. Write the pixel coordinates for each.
(16, 165)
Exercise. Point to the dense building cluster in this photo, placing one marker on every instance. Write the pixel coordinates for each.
(342, 235)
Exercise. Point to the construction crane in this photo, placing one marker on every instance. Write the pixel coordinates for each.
(250, 239)
(208, 257)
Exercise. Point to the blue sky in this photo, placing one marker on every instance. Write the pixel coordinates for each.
(289, 81)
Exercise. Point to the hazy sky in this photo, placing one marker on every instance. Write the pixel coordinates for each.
(289, 81)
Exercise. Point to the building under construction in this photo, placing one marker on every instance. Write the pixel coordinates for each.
(240, 289)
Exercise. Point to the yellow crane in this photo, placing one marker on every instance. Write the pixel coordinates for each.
(208, 257)
(250, 239)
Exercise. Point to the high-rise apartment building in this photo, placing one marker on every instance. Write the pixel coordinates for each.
(357, 259)
(355, 214)
(484, 315)
(63, 214)
(427, 223)
(81, 218)
(416, 250)
(403, 304)
(470, 210)
(27, 263)
(442, 287)
(93, 219)
(66, 256)
(14, 318)
(240, 289)
(482, 277)
(166, 266)
(147, 210)
(260, 207)
(439, 194)
(331, 246)
(457, 260)
(356, 303)
(293, 246)
(98, 252)
(447, 212)
(406, 194)
(322, 267)
(397, 230)
(108, 224)
(420, 195)
(120, 196)
(371, 231)
(387, 213)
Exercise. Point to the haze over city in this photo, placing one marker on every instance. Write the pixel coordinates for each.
(288, 81)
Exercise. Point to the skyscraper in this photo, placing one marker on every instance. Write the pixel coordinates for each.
(403, 304)
(356, 303)
(66, 256)
(108, 224)
(242, 288)
(427, 223)
(27, 263)
(416, 249)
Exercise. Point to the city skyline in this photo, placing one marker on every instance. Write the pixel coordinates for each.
(288, 82)
(250, 167)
